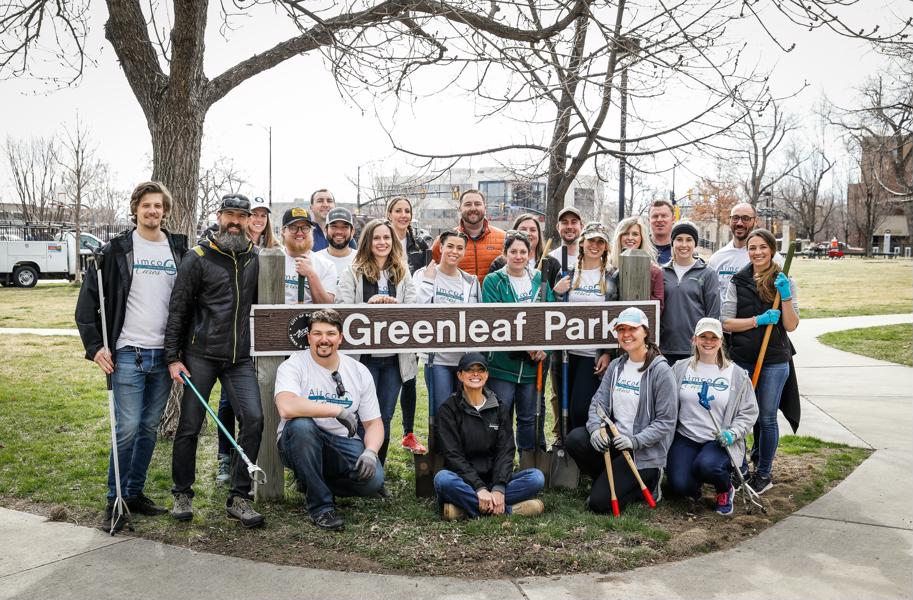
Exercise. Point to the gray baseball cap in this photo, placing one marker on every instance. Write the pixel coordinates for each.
(340, 214)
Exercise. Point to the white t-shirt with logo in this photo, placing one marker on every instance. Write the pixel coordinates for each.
(301, 375)
(729, 260)
(588, 290)
(325, 270)
(340, 262)
(523, 287)
(571, 255)
(626, 397)
(154, 273)
(449, 290)
(383, 289)
(693, 421)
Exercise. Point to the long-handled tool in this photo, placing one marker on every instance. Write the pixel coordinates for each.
(751, 498)
(564, 470)
(256, 473)
(424, 463)
(302, 282)
(760, 362)
(615, 433)
(119, 510)
(537, 458)
(607, 456)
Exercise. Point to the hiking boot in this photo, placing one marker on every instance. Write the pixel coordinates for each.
(451, 512)
(119, 524)
(411, 443)
(141, 504)
(239, 508)
(329, 521)
(724, 502)
(183, 507)
(224, 474)
(528, 508)
(760, 483)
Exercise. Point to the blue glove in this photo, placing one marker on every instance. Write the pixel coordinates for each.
(782, 285)
(725, 438)
(768, 317)
(703, 398)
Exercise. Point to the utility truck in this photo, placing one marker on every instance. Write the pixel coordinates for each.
(29, 252)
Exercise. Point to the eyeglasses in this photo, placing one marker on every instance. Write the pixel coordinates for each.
(340, 388)
(299, 228)
(742, 218)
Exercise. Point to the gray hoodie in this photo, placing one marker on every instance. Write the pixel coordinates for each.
(657, 413)
(688, 301)
(741, 410)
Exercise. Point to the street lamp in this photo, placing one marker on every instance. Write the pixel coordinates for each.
(269, 132)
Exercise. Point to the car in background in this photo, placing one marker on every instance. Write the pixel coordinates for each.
(843, 250)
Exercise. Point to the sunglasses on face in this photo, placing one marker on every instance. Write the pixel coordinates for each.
(340, 388)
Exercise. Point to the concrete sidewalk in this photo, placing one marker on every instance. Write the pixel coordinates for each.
(855, 542)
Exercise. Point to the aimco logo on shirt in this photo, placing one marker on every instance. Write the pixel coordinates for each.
(318, 395)
(155, 267)
(719, 384)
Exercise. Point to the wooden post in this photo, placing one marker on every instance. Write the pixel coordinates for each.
(634, 275)
(270, 290)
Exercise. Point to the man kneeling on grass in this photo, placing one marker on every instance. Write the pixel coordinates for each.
(477, 442)
(321, 395)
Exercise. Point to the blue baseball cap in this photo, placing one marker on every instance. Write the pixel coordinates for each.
(633, 317)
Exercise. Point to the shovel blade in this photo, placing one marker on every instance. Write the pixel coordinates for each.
(563, 470)
(424, 475)
(527, 459)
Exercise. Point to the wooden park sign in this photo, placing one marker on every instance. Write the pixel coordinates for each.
(280, 329)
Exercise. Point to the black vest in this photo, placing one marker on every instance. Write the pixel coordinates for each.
(745, 345)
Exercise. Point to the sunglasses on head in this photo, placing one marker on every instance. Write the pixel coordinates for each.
(235, 201)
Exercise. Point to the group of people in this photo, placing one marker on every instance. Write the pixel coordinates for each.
(174, 312)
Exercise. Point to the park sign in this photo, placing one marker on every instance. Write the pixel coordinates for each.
(280, 329)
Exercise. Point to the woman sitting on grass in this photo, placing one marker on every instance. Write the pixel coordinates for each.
(699, 450)
(477, 441)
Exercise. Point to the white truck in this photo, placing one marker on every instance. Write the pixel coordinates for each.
(32, 252)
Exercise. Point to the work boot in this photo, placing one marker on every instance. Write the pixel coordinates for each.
(452, 512)
(411, 443)
(143, 505)
(528, 508)
(224, 474)
(119, 524)
(329, 521)
(183, 507)
(239, 508)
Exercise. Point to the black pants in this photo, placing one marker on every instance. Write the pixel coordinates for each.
(407, 398)
(582, 385)
(240, 380)
(592, 463)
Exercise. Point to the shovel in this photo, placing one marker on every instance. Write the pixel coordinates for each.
(537, 457)
(564, 472)
(424, 463)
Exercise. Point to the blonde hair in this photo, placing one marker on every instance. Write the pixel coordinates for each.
(364, 262)
(645, 243)
(603, 267)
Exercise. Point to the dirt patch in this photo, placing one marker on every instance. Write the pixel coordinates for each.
(404, 535)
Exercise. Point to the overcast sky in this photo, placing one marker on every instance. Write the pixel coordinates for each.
(320, 138)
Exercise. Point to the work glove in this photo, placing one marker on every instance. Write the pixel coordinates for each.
(347, 418)
(725, 438)
(768, 317)
(598, 442)
(366, 465)
(704, 397)
(782, 285)
(623, 442)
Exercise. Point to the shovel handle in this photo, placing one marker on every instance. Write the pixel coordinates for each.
(607, 456)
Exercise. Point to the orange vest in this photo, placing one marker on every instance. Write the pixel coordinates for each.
(480, 253)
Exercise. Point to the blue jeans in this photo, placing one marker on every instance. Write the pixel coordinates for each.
(766, 431)
(324, 463)
(141, 386)
(451, 488)
(444, 383)
(521, 396)
(387, 382)
(691, 464)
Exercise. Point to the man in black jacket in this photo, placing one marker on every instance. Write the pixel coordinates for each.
(208, 337)
(477, 442)
(138, 272)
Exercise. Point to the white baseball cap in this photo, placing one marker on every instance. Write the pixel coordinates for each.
(259, 202)
(709, 324)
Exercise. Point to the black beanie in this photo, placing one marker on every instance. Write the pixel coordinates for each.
(685, 227)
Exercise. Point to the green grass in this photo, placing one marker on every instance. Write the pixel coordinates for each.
(47, 305)
(843, 288)
(55, 439)
(893, 343)
(837, 466)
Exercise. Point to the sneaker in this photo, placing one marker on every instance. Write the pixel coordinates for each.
(143, 505)
(239, 508)
(329, 521)
(183, 507)
(528, 508)
(451, 512)
(760, 483)
(119, 524)
(411, 443)
(724, 502)
(224, 474)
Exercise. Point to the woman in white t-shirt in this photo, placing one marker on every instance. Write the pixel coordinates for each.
(592, 280)
(699, 451)
(445, 283)
(379, 275)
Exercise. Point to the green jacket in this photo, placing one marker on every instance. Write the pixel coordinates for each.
(514, 366)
